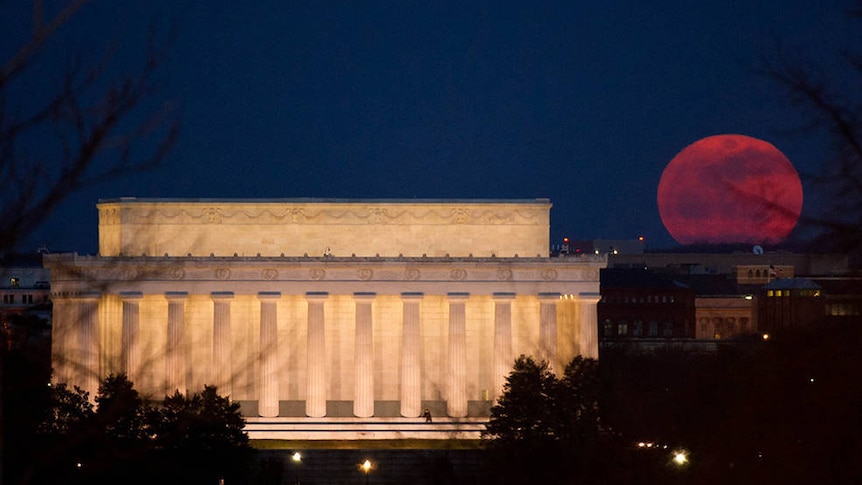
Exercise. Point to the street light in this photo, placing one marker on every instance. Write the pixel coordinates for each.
(366, 467)
(680, 458)
(297, 459)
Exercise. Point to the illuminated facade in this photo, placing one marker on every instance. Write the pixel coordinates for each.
(349, 312)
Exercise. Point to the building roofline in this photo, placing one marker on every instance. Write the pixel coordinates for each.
(312, 200)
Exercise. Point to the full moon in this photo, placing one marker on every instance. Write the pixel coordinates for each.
(729, 189)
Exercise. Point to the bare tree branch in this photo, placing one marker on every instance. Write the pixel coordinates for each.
(838, 113)
(92, 128)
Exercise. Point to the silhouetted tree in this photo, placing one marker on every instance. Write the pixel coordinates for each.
(831, 103)
(526, 411)
(188, 439)
(544, 429)
(201, 437)
(87, 127)
(578, 401)
(68, 123)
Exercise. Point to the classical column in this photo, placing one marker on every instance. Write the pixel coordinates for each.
(589, 324)
(315, 399)
(175, 362)
(267, 401)
(130, 352)
(62, 323)
(411, 368)
(363, 401)
(548, 328)
(456, 403)
(222, 361)
(88, 344)
(503, 358)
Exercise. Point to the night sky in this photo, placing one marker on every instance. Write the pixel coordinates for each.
(580, 102)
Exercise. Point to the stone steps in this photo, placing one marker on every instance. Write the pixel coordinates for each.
(363, 428)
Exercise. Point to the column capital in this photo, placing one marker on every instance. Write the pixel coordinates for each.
(503, 296)
(176, 295)
(458, 296)
(221, 295)
(364, 295)
(86, 296)
(589, 297)
(131, 296)
(316, 295)
(549, 296)
(412, 296)
(268, 295)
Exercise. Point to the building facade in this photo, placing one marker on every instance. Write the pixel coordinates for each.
(322, 308)
(25, 310)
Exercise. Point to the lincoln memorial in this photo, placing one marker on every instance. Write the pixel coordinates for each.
(323, 315)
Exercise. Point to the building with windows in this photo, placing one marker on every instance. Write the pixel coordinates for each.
(324, 318)
(641, 305)
(25, 311)
(736, 295)
(790, 302)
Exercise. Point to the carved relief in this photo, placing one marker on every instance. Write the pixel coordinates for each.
(379, 215)
(129, 274)
(109, 217)
(411, 274)
(460, 215)
(296, 214)
(549, 274)
(323, 214)
(222, 273)
(365, 274)
(504, 274)
(269, 274)
(316, 274)
(593, 275)
(213, 215)
(458, 274)
(177, 273)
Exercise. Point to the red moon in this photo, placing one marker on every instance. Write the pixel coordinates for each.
(729, 189)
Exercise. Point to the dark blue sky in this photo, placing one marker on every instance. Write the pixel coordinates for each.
(580, 102)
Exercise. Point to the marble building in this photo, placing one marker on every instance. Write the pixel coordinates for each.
(351, 311)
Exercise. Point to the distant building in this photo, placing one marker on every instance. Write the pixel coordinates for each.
(639, 304)
(25, 310)
(735, 295)
(842, 297)
(790, 302)
(725, 316)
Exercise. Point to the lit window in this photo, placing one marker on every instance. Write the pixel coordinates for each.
(14, 282)
(608, 328)
(622, 328)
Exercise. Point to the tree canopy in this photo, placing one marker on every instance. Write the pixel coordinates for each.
(544, 429)
(191, 438)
